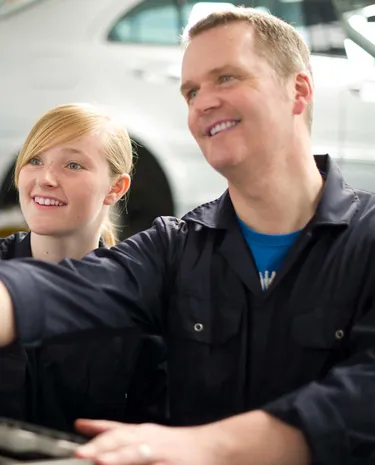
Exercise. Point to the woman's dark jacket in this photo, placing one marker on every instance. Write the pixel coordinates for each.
(119, 378)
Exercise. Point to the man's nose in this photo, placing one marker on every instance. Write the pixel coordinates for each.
(206, 100)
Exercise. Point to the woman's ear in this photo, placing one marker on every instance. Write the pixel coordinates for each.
(118, 189)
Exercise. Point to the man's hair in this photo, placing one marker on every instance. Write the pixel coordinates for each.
(275, 40)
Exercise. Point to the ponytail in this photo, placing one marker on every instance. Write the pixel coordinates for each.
(109, 234)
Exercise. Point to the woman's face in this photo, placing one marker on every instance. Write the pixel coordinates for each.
(66, 189)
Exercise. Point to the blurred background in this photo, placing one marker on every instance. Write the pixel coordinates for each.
(125, 56)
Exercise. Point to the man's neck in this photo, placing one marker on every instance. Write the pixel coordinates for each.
(55, 249)
(280, 201)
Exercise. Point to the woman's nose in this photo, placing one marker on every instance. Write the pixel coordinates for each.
(47, 178)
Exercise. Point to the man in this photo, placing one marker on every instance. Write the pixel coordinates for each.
(265, 296)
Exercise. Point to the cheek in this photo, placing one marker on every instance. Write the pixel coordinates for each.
(82, 195)
(86, 195)
(192, 123)
(24, 186)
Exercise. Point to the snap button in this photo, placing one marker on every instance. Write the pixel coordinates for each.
(339, 334)
(198, 327)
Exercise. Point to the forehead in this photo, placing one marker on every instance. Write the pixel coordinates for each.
(85, 144)
(224, 45)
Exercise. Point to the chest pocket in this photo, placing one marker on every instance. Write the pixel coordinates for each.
(205, 340)
(320, 341)
(205, 358)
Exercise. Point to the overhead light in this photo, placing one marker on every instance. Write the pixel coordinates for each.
(202, 9)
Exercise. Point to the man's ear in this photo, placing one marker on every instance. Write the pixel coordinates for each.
(303, 93)
(118, 189)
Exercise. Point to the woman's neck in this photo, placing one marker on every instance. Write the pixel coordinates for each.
(56, 248)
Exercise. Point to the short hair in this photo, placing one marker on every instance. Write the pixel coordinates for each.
(277, 41)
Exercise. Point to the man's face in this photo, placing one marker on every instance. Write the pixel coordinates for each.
(240, 112)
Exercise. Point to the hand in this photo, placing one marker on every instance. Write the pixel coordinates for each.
(7, 324)
(148, 444)
(253, 438)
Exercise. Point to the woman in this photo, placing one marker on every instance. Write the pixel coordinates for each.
(73, 167)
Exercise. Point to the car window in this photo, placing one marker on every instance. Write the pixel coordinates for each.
(11, 6)
(150, 22)
(162, 21)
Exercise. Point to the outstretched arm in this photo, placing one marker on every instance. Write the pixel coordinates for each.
(111, 289)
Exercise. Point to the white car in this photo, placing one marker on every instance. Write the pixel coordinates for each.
(125, 55)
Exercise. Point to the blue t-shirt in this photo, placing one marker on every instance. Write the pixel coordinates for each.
(268, 250)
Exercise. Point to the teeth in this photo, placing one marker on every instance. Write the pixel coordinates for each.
(222, 126)
(44, 201)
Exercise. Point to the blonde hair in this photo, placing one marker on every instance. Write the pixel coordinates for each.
(276, 40)
(68, 122)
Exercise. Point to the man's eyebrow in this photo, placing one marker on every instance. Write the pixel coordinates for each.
(186, 86)
(213, 72)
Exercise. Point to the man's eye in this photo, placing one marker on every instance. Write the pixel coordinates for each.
(226, 78)
(191, 95)
(74, 166)
(34, 162)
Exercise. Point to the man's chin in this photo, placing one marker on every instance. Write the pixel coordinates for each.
(225, 165)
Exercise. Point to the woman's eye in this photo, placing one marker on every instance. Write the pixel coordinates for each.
(74, 166)
(34, 162)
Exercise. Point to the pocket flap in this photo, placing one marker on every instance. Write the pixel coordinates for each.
(204, 321)
(318, 329)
